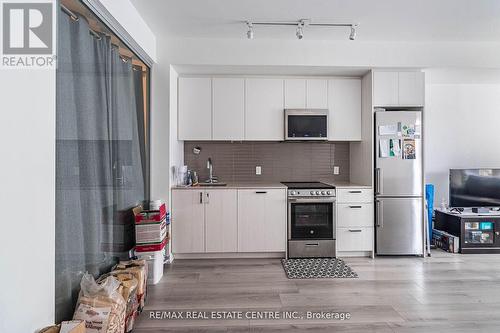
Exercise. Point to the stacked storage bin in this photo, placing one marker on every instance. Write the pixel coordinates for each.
(151, 238)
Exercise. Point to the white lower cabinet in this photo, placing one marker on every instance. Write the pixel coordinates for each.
(221, 221)
(188, 221)
(262, 220)
(355, 239)
(355, 219)
(228, 220)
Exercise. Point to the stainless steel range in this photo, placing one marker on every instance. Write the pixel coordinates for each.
(311, 220)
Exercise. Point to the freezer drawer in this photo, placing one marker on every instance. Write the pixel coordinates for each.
(399, 226)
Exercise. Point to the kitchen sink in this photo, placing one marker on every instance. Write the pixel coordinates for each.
(212, 184)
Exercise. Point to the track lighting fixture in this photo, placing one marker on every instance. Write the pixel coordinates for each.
(250, 30)
(300, 24)
(352, 36)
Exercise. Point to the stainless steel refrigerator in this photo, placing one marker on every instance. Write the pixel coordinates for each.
(399, 183)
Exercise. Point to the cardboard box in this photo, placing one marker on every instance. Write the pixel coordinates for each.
(151, 247)
(151, 232)
(73, 326)
(445, 241)
(148, 216)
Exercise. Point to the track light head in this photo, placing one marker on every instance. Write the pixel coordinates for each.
(300, 30)
(352, 36)
(250, 30)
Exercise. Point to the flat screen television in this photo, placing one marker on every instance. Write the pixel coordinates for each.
(474, 188)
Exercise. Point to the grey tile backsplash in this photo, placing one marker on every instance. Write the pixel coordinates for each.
(280, 161)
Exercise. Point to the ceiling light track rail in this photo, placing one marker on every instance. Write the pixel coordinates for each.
(300, 24)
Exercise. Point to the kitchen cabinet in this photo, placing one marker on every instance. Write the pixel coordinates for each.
(261, 220)
(411, 88)
(317, 94)
(188, 222)
(228, 119)
(344, 103)
(355, 222)
(204, 220)
(295, 93)
(264, 109)
(221, 220)
(385, 89)
(406, 88)
(195, 108)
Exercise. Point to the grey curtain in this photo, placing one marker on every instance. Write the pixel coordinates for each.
(99, 165)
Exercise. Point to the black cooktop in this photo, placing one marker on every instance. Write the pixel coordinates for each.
(306, 185)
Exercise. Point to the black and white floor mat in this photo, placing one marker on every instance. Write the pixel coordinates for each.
(317, 268)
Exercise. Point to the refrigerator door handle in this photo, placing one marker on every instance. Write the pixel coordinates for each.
(377, 181)
(379, 208)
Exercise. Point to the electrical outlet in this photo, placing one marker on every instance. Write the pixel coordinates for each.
(336, 170)
(258, 170)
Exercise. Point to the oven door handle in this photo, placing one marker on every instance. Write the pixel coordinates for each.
(314, 200)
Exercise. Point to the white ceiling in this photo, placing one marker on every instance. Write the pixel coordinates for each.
(380, 20)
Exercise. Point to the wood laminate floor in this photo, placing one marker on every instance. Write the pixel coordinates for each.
(444, 293)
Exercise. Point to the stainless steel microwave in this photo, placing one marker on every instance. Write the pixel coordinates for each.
(306, 124)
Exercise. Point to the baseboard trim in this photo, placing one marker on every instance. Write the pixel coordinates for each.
(239, 255)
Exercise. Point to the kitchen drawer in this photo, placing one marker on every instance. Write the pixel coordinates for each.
(355, 215)
(352, 195)
(355, 239)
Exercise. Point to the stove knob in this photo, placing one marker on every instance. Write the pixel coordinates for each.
(292, 192)
(323, 193)
(312, 192)
(317, 192)
(329, 192)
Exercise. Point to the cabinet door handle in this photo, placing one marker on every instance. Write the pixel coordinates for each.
(355, 230)
(355, 191)
(208, 198)
(201, 197)
(355, 207)
(261, 192)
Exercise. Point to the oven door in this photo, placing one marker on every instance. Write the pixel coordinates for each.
(311, 218)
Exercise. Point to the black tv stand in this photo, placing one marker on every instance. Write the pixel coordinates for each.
(478, 233)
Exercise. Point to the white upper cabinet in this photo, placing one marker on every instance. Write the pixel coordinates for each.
(317, 94)
(264, 109)
(295, 93)
(385, 89)
(344, 103)
(195, 108)
(398, 88)
(228, 109)
(411, 88)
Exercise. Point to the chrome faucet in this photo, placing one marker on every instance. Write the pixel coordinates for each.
(210, 167)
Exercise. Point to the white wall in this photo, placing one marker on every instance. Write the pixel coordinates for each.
(262, 52)
(461, 123)
(125, 13)
(27, 199)
(176, 146)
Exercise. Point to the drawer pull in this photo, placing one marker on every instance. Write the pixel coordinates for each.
(312, 244)
(355, 207)
(355, 191)
(355, 230)
(261, 192)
